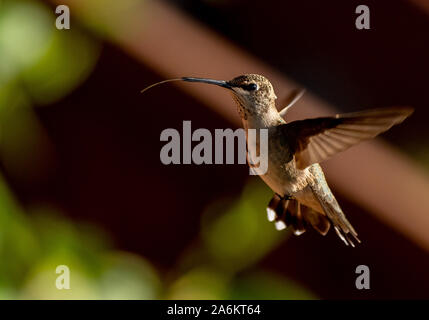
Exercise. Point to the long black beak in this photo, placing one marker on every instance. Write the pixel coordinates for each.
(219, 83)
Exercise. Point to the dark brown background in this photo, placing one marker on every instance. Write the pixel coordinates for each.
(109, 170)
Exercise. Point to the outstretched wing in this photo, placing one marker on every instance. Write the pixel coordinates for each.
(315, 140)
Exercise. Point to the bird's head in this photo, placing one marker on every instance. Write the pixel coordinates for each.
(253, 93)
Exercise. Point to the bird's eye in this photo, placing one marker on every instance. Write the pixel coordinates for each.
(250, 87)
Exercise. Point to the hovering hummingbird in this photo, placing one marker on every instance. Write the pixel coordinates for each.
(302, 196)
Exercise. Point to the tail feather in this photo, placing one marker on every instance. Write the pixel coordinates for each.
(289, 213)
(323, 194)
(342, 226)
(317, 220)
(298, 223)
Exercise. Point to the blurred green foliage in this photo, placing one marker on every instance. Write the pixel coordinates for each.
(235, 236)
(36, 58)
(240, 236)
(40, 64)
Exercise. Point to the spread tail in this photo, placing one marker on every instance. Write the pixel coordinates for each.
(290, 212)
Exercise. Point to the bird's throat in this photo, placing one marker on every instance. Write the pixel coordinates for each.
(259, 120)
(257, 116)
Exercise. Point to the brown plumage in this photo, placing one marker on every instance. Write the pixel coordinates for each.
(316, 140)
(302, 196)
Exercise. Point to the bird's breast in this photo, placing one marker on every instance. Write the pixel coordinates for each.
(281, 176)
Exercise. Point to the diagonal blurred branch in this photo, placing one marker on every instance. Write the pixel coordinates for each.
(423, 4)
(373, 174)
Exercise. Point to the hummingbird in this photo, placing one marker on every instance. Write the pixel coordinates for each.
(302, 197)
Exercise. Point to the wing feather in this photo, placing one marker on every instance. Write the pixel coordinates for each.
(315, 140)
